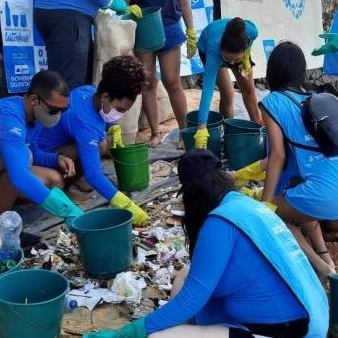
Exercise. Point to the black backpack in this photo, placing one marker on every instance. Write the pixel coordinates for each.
(320, 116)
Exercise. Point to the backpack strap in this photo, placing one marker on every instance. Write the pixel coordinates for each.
(299, 105)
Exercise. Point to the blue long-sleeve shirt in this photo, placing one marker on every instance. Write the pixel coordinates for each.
(81, 124)
(18, 151)
(88, 7)
(255, 293)
(210, 44)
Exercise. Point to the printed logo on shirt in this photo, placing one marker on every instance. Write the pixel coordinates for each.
(94, 143)
(16, 131)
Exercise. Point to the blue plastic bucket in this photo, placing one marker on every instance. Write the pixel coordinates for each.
(105, 241)
(32, 303)
(149, 35)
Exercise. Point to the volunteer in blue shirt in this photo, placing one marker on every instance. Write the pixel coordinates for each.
(313, 196)
(226, 44)
(66, 28)
(247, 274)
(25, 168)
(80, 133)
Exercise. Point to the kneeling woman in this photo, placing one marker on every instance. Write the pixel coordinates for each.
(247, 275)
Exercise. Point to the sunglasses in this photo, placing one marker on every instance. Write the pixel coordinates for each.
(52, 110)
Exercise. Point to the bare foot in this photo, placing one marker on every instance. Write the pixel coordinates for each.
(155, 139)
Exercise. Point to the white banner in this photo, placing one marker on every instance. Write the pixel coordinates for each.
(299, 21)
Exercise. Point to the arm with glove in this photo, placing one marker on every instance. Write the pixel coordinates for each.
(120, 200)
(190, 31)
(59, 204)
(330, 46)
(134, 329)
(121, 7)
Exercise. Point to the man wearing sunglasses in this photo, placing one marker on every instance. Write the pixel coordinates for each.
(25, 170)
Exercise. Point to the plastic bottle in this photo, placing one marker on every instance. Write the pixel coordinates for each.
(7, 15)
(70, 304)
(10, 229)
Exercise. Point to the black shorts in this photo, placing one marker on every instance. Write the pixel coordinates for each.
(295, 329)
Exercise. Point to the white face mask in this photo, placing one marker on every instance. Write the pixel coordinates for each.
(112, 116)
(44, 118)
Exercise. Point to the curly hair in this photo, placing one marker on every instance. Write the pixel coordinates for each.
(122, 77)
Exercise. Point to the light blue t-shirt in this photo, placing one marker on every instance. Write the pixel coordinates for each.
(316, 196)
(229, 282)
(18, 151)
(82, 125)
(210, 44)
(88, 7)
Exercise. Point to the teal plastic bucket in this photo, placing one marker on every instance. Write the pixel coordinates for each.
(149, 35)
(214, 126)
(243, 149)
(132, 166)
(105, 243)
(243, 142)
(214, 140)
(32, 303)
(18, 260)
(239, 126)
(333, 280)
(264, 133)
(214, 119)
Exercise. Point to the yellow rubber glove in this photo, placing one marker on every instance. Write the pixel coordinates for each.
(115, 134)
(120, 200)
(245, 67)
(271, 206)
(255, 193)
(135, 10)
(252, 171)
(201, 138)
(191, 42)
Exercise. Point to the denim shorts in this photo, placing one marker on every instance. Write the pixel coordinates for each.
(174, 37)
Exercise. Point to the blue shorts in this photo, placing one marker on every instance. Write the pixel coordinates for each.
(174, 37)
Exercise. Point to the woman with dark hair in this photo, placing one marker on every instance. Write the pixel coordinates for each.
(80, 133)
(247, 275)
(226, 44)
(310, 191)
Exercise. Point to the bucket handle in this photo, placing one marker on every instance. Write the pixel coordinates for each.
(27, 320)
(138, 163)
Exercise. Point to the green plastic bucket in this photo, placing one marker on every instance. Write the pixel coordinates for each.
(32, 303)
(333, 280)
(149, 35)
(105, 243)
(214, 126)
(214, 140)
(132, 166)
(243, 142)
(18, 262)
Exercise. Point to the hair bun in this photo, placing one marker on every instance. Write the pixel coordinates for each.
(235, 27)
